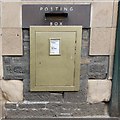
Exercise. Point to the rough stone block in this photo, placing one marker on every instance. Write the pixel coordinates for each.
(30, 113)
(61, 109)
(84, 51)
(12, 41)
(99, 90)
(100, 41)
(84, 61)
(84, 71)
(56, 97)
(57, 107)
(85, 34)
(97, 75)
(77, 97)
(17, 72)
(26, 35)
(17, 67)
(12, 90)
(98, 67)
(11, 14)
(43, 96)
(37, 96)
(85, 43)
(31, 105)
(65, 109)
(102, 14)
(90, 110)
(26, 85)
(99, 59)
(97, 71)
(76, 110)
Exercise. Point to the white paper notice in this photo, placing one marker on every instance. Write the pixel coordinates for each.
(54, 47)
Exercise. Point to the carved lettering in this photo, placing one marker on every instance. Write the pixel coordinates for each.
(46, 9)
(56, 8)
(71, 8)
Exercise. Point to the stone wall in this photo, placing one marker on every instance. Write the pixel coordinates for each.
(97, 55)
(56, 104)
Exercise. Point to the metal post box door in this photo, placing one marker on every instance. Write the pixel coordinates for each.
(55, 58)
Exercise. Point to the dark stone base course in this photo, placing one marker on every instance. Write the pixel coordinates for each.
(65, 119)
(53, 110)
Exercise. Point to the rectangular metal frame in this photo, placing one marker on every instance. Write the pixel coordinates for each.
(78, 31)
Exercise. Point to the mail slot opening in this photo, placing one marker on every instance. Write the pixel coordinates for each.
(56, 16)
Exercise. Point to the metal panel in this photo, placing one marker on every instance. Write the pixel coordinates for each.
(55, 72)
(56, 15)
(58, 69)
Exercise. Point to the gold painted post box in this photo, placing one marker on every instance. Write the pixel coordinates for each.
(55, 58)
